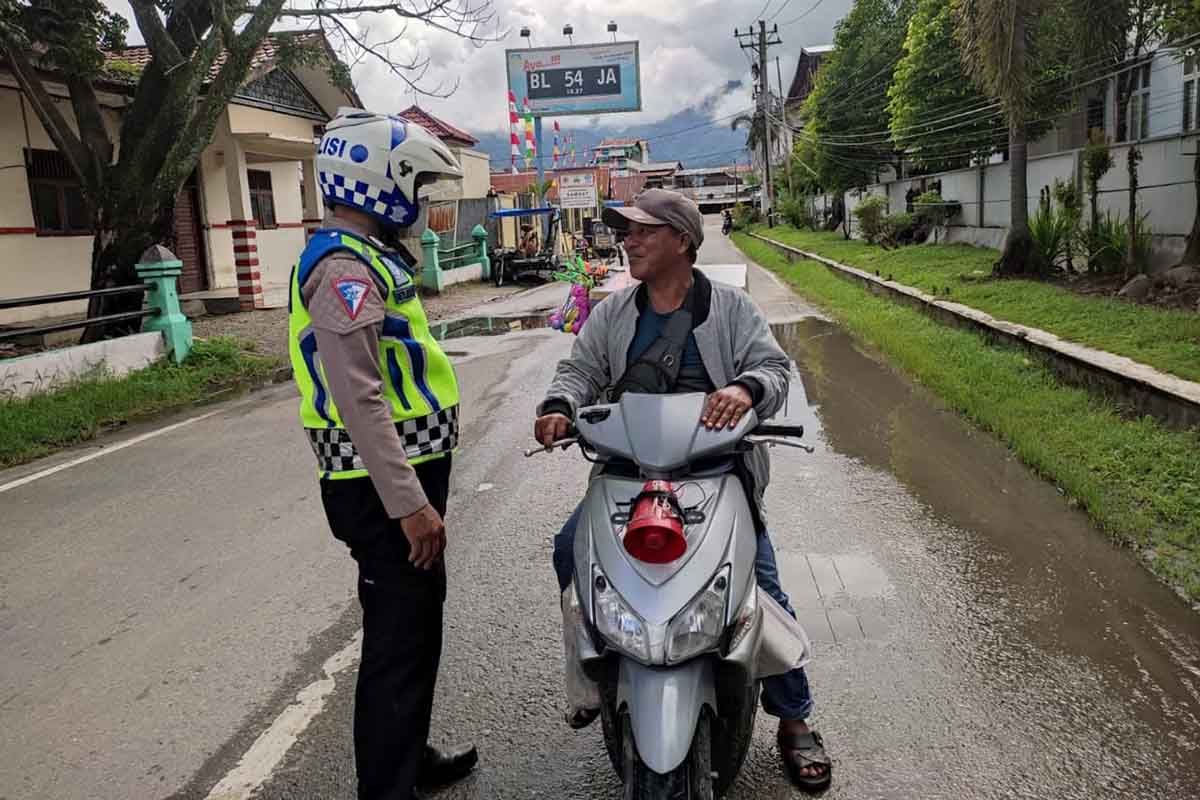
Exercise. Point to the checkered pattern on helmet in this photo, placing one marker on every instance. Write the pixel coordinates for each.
(358, 193)
(426, 436)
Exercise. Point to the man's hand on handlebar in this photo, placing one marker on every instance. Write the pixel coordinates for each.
(726, 407)
(551, 428)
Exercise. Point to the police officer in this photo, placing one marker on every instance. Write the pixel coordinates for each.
(379, 403)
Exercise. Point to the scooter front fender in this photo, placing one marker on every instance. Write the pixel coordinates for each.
(664, 705)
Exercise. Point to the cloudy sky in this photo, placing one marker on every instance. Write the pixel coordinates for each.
(687, 52)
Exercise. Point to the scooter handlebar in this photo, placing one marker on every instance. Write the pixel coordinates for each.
(769, 429)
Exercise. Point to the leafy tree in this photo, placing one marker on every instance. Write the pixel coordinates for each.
(928, 87)
(871, 214)
(1012, 50)
(201, 53)
(805, 178)
(847, 110)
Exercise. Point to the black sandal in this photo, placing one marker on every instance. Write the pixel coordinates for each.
(805, 750)
(580, 718)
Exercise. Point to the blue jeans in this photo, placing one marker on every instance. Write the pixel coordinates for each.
(785, 696)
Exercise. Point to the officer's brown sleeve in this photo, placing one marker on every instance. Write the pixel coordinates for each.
(347, 313)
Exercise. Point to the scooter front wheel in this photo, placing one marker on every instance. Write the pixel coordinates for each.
(691, 780)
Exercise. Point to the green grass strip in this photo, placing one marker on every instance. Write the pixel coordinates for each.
(1166, 340)
(40, 424)
(1139, 481)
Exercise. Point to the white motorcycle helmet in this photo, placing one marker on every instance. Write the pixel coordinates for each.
(377, 163)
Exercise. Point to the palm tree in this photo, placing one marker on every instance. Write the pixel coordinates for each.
(995, 36)
(755, 124)
(539, 189)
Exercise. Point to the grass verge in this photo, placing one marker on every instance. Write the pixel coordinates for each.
(1166, 340)
(39, 425)
(1139, 481)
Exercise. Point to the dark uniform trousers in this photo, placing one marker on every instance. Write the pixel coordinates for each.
(402, 631)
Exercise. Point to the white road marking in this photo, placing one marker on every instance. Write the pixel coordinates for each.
(269, 749)
(19, 482)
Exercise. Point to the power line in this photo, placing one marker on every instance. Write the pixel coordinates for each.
(851, 157)
(886, 136)
(655, 138)
(794, 20)
(881, 86)
(780, 10)
(889, 138)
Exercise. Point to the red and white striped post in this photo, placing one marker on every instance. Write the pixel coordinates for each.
(245, 259)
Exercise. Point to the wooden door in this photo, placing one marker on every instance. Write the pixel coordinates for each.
(189, 239)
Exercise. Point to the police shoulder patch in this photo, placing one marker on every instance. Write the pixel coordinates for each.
(353, 294)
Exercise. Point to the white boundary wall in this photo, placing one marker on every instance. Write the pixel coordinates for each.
(1167, 193)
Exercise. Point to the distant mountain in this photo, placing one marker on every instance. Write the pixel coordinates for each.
(690, 136)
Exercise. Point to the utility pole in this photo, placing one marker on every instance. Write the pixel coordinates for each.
(764, 105)
(762, 82)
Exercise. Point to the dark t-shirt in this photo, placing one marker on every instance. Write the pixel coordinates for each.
(692, 375)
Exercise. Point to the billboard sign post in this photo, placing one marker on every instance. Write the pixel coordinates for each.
(578, 79)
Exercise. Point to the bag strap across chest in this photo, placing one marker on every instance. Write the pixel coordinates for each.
(656, 370)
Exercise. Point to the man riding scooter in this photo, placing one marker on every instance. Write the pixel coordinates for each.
(677, 332)
(726, 222)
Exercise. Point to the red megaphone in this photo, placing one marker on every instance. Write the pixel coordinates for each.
(655, 531)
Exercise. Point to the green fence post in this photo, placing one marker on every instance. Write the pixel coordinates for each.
(160, 268)
(481, 240)
(431, 271)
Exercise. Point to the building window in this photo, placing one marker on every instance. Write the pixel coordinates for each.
(56, 195)
(1191, 93)
(262, 201)
(1133, 121)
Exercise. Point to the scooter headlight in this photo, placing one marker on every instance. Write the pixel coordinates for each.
(616, 621)
(699, 626)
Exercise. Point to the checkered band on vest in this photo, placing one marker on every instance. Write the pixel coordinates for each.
(426, 436)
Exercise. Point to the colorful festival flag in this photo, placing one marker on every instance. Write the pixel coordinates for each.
(513, 120)
(530, 144)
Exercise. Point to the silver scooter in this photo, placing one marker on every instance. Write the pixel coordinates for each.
(665, 628)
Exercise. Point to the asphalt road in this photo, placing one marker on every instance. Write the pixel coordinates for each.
(165, 604)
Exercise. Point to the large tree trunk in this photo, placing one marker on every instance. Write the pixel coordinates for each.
(1192, 254)
(1019, 256)
(115, 251)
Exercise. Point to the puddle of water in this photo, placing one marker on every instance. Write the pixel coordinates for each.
(1065, 589)
(487, 326)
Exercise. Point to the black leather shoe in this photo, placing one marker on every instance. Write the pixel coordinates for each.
(442, 767)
